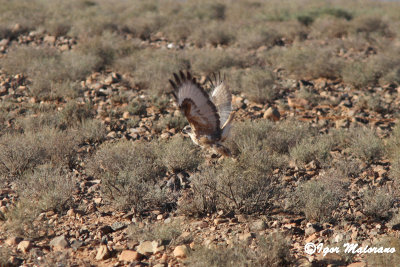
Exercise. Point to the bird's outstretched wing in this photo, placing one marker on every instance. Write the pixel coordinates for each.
(196, 104)
(221, 97)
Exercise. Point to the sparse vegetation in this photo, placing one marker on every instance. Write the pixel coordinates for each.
(314, 148)
(90, 139)
(366, 145)
(129, 173)
(384, 258)
(259, 85)
(318, 199)
(378, 203)
(179, 154)
(239, 255)
(168, 233)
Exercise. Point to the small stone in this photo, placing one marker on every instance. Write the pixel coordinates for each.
(4, 42)
(13, 241)
(165, 135)
(164, 258)
(338, 238)
(297, 102)
(76, 244)
(181, 251)
(220, 220)
(64, 47)
(71, 213)
(126, 115)
(129, 255)
(109, 80)
(102, 253)
(49, 39)
(311, 238)
(200, 224)
(147, 247)
(242, 218)
(112, 134)
(118, 226)
(258, 225)
(310, 230)
(97, 200)
(247, 237)
(24, 246)
(272, 114)
(59, 243)
(342, 123)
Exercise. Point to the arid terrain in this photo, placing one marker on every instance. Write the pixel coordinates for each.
(94, 168)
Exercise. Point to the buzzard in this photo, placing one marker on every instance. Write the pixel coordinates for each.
(209, 116)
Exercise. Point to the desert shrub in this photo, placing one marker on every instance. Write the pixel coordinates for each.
(392, 148)
(347, 167)
(359, 74)
(22, 152)
(106, 48)
(171, 122)
(129, 173)
(19, 17)
(239, 255)
(179, 154)
(166, 232)
(150, 67)
(50, 187)
(45, 188)
(53, 75)
(380, 68)
(371, 24)
(317, 199)
(311, 61)
(5, 254)
(219, 256)
(179, 31)
(253, 37)
(144, 27)
(208, 11)
(384, 259)
(75, 113)
(313, 148)
(213, 60)
(329, 27)
(281, 136)
(366, 145)
(137, 107)
(259, 85)
(377, 203)
(278, 247)
(23, 219)
(92, 130)
(213, 33)
(246, 184)
(161, 102)
(18, 153)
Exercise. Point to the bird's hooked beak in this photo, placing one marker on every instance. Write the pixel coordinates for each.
(186, 130)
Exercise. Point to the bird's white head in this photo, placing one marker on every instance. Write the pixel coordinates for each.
(188, 130)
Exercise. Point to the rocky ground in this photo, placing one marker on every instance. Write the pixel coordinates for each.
(93, 233)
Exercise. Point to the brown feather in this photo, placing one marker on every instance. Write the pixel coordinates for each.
(197, 106)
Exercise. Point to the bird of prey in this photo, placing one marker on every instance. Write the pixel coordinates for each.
(209, 116)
